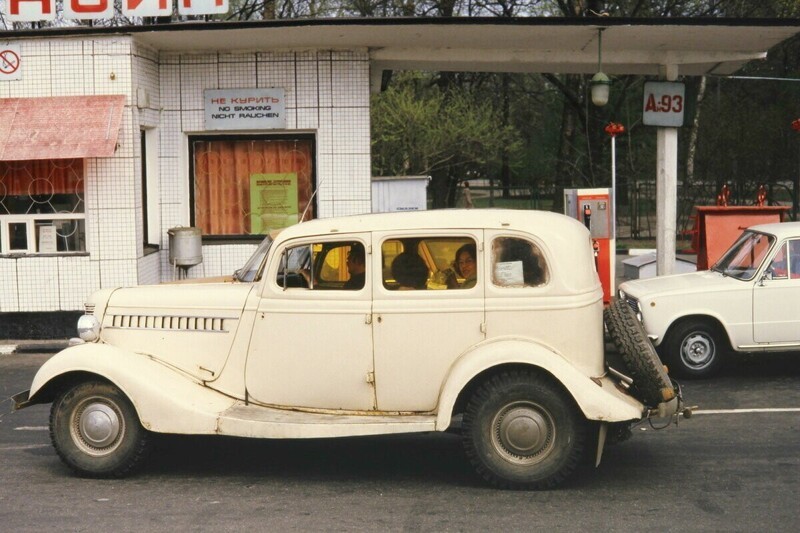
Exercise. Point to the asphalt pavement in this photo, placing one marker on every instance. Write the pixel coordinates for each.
(734, 466)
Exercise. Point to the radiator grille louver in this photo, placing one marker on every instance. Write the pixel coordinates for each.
(173, 323)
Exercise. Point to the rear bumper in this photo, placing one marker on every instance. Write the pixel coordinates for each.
(665, 409)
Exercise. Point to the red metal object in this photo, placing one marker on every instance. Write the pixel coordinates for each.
(614, 129)
(723, 196)
(761, 197)
(718, 226)
(796, 124)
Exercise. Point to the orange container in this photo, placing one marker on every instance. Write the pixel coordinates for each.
(716, 227)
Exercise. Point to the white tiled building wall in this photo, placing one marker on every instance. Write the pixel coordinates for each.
(69, 67)
(327, 94)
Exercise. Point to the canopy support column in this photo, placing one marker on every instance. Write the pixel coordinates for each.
(666, 188)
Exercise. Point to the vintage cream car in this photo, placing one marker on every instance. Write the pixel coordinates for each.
(749, 301)
(302, 344)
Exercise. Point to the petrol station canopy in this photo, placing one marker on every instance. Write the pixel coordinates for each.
(698, 46)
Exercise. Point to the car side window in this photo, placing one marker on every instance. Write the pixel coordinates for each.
(786, 263)
(339, 265)
(779, 267)
(794, 259)
(517, 262)
(429, 263)
(294, 266)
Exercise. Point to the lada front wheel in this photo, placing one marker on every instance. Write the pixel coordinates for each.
(96, 432)
(520, 431)
(693, 349)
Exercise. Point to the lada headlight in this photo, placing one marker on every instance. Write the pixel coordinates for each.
(88, 328)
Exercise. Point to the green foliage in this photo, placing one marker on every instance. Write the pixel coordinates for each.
(418, 128)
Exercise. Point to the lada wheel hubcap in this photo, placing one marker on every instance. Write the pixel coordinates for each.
(523, 432)
(97, 427)
(697, 350)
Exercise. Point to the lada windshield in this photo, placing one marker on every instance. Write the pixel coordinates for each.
(251, 271)
(745, 256)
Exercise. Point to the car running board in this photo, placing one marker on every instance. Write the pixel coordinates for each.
(265, 422)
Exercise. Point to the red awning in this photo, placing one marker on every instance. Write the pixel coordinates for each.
(59, 127)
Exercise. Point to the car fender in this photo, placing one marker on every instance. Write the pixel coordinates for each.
(597, 397)
(658, 325)
(166, 399)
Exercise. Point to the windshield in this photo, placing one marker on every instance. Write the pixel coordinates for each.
(742, 260)
(251, 271)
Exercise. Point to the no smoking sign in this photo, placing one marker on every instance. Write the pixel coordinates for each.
(10, 59)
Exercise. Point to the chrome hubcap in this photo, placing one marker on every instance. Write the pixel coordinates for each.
(523, 432)
(697, 350)
(97, 427)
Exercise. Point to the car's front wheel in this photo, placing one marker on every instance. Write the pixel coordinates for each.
(694, 349)
(521, 431)
(96, 432)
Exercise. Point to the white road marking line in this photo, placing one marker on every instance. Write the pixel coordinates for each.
(28, 447)
(740, 411)
(32, 428)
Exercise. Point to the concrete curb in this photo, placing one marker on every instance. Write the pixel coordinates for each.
(32, 346)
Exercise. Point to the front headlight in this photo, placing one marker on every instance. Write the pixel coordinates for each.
(89, 328)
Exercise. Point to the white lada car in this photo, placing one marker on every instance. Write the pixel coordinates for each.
(749, 301)
(376, 324)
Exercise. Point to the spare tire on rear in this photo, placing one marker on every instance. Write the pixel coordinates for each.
(651, 384)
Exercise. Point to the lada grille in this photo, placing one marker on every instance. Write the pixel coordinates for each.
(173, 323)
(634, 304)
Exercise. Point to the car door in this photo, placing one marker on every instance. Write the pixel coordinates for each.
(776, 311)
(420, 329)
(311, 344)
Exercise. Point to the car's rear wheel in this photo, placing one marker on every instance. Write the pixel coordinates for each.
(694, 349)
(96, 432)
(520, 431)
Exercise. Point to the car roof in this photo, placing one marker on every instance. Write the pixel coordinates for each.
(782, 230)
(540, 222)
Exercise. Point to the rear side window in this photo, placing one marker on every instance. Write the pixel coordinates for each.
(517, 263)
(429, 263)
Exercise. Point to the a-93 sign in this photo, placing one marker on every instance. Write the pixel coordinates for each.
(663, 104)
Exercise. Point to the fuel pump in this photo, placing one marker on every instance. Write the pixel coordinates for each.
(587, 216)
(594, 207)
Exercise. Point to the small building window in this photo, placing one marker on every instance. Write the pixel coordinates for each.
(251, 185)
(42, 207)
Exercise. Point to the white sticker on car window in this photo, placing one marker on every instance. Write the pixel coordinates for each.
(509, 274)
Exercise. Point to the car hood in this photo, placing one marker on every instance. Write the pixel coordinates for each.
(693, 282)
(189, 326)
